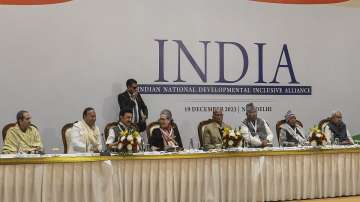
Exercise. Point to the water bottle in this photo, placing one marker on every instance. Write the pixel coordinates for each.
(191, 144)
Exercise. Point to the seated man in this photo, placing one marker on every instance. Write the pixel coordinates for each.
(85, 135)
(255, 130)
(336, 129)
(125, 117)
(291, 133)
(23, 137)
(167, 136)
(212, 136)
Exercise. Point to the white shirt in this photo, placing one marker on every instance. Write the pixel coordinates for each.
(135, 117)
(111, 137)
(255, 140)
(329, 134)
(78, 144)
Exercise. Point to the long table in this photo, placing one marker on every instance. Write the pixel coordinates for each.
(244, 175)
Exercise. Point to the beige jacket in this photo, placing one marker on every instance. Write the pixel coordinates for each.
(212, 136)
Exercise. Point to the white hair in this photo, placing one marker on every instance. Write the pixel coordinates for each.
(333, 113)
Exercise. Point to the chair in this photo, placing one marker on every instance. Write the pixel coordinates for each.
(201, 127)
(8, 126)
(151, 127)
(322, 122)
(65, 135)
(108, 127)
(356, 138)
(279, 123)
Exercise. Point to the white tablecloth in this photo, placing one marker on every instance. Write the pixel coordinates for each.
(236, 176)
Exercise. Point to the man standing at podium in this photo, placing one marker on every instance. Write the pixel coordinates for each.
(131, 99)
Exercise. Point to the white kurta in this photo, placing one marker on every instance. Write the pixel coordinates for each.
(329, 134)
(84, 138)
(255, 140)
(111, 137)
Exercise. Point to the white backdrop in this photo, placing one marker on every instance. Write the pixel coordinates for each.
(56, 60)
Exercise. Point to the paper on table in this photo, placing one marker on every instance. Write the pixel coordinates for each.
(78, 154)
(7, 156)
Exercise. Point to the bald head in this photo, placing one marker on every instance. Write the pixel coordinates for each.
(218, 116)
(336, 117)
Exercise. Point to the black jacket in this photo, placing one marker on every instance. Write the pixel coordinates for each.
(156, 138)
(125, 102)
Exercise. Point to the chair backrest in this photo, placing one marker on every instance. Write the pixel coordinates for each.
(108, 127)
(356, 138)
(154, 125)
(151, 127)
(8, 126)
(322, 122)
(279, 123)
(201, 127)
(65, 135)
